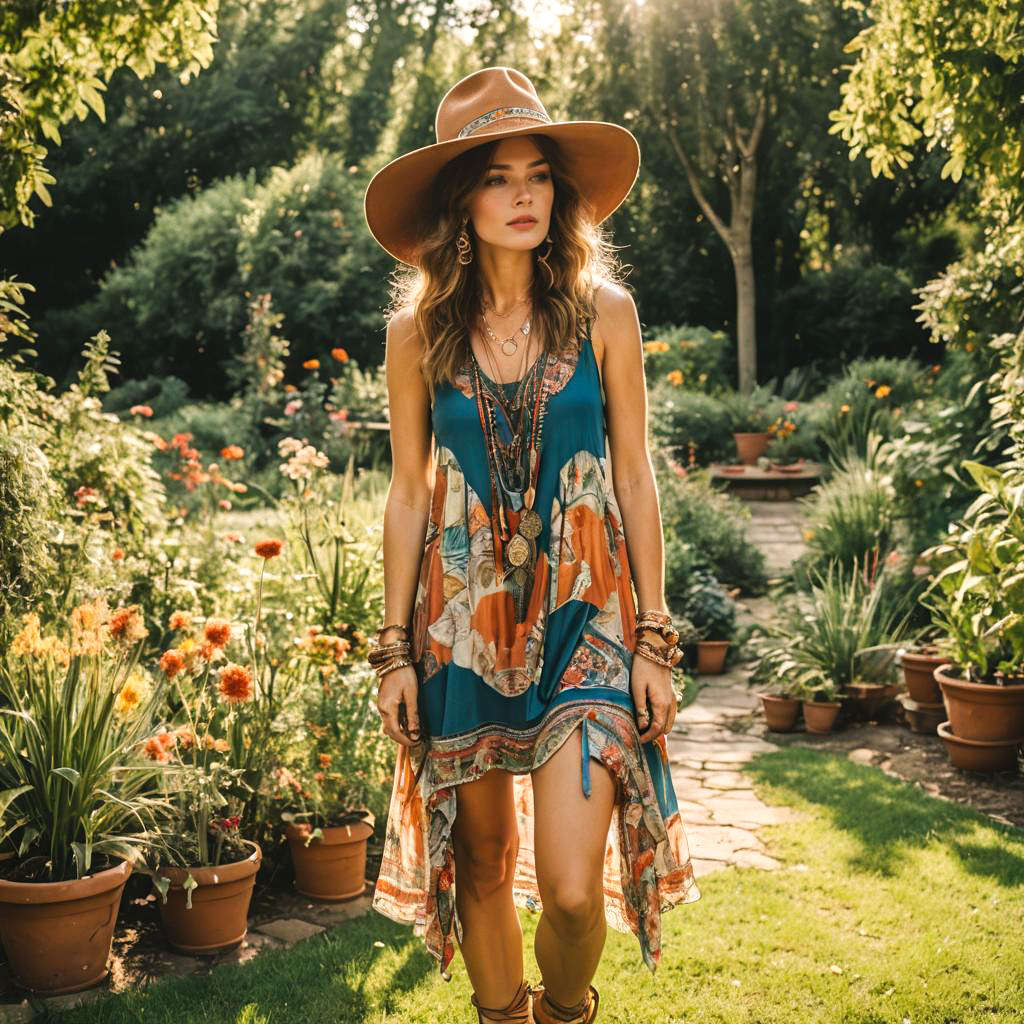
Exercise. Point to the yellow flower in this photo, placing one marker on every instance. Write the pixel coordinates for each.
(919, 483)
(133, 693)
(808, 535)
(187, 645)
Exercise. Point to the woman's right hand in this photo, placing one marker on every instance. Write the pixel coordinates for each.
(397, 704)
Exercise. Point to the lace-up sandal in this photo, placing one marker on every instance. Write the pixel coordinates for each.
(547, 1011)
(517, 1011)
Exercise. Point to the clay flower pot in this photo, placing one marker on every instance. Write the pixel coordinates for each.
(57, 935)
(867, 699)
(980, 755)
(711, 656)
(919, 673)
(751, 446)
(982, 711)
(820, 715)
(780, 712)
(332, 867)
(218, 919)
(921, 717)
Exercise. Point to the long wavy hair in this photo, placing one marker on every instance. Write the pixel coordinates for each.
(445, 295)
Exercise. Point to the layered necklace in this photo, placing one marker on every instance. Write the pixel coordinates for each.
(513, 436)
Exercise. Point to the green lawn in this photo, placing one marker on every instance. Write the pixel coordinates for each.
(891, 906)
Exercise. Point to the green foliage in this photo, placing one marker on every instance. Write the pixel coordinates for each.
(74, 791)
(28, 507)
(692, 425)
(164, 395)
(693, 357)
(709, 608)
(73, 48)
(751, 413)
(704, 527)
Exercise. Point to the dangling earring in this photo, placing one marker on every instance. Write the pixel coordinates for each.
(544, 259)
(462, 243)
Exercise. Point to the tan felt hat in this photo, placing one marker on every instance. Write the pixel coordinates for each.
(495, 102)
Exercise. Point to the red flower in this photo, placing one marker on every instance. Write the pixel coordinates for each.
(232, 451)
(217, 632)
(172, 662)
(235, 683)
(269, 548)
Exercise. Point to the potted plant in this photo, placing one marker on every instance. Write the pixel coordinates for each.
(781, 676)
(712, 614)
(874, 685)
(789, 442)
(919, 663)
(821, 701)
(977, 606)
(751, 415)
(76, 806)
(781, 707)
(202, 868)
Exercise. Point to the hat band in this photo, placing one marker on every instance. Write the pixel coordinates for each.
(501, 114)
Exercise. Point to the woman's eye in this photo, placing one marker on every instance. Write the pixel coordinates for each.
(543, 175)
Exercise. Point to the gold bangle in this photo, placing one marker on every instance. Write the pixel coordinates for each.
(669, 656)
(398, 663)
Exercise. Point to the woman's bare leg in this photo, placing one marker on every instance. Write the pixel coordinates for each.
(570, 834)
(486, 842)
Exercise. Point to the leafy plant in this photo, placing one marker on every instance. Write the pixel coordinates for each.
(709, 608)
(751, 413)
(73, 717)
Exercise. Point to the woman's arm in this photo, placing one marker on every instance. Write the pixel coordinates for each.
(636, 493)
(632, 471)
(406, 508)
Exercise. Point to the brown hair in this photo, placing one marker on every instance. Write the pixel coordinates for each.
(445, 295)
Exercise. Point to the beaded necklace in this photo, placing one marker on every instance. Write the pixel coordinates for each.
(513, 438)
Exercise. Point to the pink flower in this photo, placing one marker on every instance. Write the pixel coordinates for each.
(141, 410)
(293, 407)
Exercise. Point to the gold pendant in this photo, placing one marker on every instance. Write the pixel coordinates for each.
(519, 576)
(530, 525)
(518, 550)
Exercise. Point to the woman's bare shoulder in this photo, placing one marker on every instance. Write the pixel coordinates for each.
(615, 310)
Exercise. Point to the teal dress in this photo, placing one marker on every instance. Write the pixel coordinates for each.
(503, 689)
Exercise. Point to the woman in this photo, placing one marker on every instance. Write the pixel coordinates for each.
(532, 767)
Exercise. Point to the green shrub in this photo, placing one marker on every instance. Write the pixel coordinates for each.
(692, 357)
(164, 395)
(709, 608)
(692, 426)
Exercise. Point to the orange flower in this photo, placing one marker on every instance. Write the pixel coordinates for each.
(141, 410)
(117, 555)
(325, 761)
(125, 624)
(340, 354)
(158, 747)
(311, 364)
(232, 451)
(217, 632)
(179, 621)
(172, 662)
(269, 548)
(235, 683)
(883, 391)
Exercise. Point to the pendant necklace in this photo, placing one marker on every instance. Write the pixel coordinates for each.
(513, 438)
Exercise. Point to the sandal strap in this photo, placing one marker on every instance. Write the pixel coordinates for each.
(517, 1011)
(547, 1011)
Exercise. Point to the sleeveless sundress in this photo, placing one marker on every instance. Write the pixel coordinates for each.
(496, 693)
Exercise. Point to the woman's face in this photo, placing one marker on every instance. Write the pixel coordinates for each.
(517, 184)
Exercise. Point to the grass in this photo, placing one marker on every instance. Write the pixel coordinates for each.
(891, 906)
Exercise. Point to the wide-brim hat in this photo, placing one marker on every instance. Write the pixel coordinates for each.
(496, 102)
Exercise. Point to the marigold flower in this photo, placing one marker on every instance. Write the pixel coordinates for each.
(675, 376)
(340, 354)
(235, 683)
(158, 747)
(126, 625)
(325, 761)
(269, 548)
(217, 632)
(883, 391)
(117, 554)
(232, 451)
(179, 621)
(311, 364)
(844, 407)
(172, 662)
(88, 622)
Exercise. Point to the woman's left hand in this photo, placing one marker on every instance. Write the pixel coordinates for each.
(653, 696)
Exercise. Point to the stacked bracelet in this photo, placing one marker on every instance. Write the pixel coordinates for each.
(387, 656)
(659, 622)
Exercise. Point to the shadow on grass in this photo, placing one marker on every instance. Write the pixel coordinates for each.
(338, 976)
(887, 816)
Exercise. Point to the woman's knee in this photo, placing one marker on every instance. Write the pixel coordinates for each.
(574, 906)
(485, 864)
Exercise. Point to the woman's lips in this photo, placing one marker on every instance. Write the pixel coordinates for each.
(523, 224)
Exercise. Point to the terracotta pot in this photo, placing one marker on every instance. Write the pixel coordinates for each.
(218, 919)
(331, 868)
(982, 711)
(751, 446)
(57, 935)
(711, 657)
(867, 699)
(780, 712)
(820, 715)
(920, 717)
(919, 672)
(980, 755)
